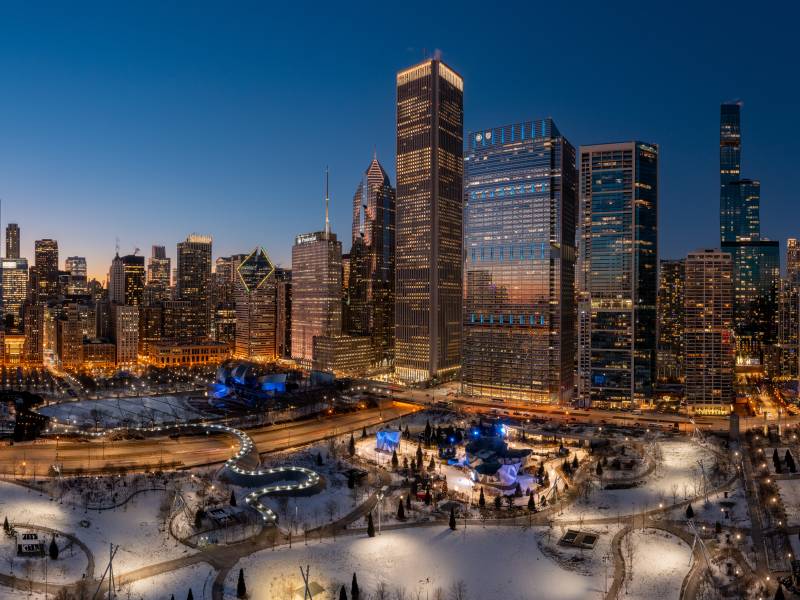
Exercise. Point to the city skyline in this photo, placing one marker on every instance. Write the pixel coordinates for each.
(232, 147)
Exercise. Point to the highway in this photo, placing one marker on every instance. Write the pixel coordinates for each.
(35, 458)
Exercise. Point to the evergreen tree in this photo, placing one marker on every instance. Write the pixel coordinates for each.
(351, 480)
(401, 511)
(431, 465)
(789, 460)
(190, 595)
(540, 471)
(718, 527)
(776, 460)
(414, 488)
(599, 469)
(363, 433)
(689, 512)
(351, 447)
(544, 501)
(241, 588)
(198, 518)
(779, 593)
(319, 459)
(405, 463)
(518, 490)
(419, 456)
(407, 433)
(395, 462)
(498, 501)
(370, 526)
(6, 526)
(354, 591)
(342, 593)
(575, 462)
(408, 501)
(531, 503)
(414, 465)
(482, 500)
(53, 550)
(233, 498)
(427, 434)
(452, 518)
(428, 497)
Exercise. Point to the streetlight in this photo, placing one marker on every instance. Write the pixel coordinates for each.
(380, 510)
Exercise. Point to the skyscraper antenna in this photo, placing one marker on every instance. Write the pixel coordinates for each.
(327, 202)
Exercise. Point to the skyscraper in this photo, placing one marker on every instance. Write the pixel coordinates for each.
(428, 259)
(708, 332)
(256, 309)
(787, 344)
(15, 292)
(316, 291)
(75, 266)
(44, 274)
(372, 261)
(126, 280)
(193, 282)
(619, 264)
(672, 275)
(12, 240)
(158, 267)
(793, 261)
(730, 158)
(519, 243)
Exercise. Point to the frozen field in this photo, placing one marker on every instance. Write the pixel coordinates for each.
(789, 490)
(678, 477)
(136, 527)
(495, 562)
(660, 562)
(113, 412)
(197, 577)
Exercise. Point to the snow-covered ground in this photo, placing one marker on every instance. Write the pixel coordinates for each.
(660, 562)
(735, 504)
(136, 527)
(68, 567)
(789, 490)
(113, 412)
(198, 577)
(676, 478)
(495, 562)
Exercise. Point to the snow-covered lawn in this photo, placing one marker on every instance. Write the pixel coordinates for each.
(198, 577)
(789, 490)
(677, 477)
(113, 412)
(68, 567)
(660, 562)
(495, 562)
(135, 527)
(739, 515)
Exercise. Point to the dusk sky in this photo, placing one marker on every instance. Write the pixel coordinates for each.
(147, 121)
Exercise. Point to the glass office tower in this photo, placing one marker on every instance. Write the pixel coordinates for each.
(619, 259)
(519, 244)
(430, 168)
(730, 159)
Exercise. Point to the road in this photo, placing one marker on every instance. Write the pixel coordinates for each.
(31, 459)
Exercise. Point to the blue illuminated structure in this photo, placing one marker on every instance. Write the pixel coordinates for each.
(387, 440)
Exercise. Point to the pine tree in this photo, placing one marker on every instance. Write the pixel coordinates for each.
(351, 480)
(482, 500)
(498, 501)
(407, 433)
(575, 462)
(419, 457)
(342, 593)
(518, 490)
(452, 518)
(431, 465)
(354, 591)
(599, 469)
(233, 498)
(428, 497)
(413, 465)
(351, 448)
(363, 432)
(531, 502)
(718, 527)
(6, 526)
(401, 511)
(779, 593)
(370, 526)
(408, 501)
(427, 434)
(395, 462)
(241, 588)
(53, 549)
(319, 459)
(198, 518)
(689, 512)
(190, 596)
(405, 463)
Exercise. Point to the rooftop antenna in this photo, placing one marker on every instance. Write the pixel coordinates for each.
(327, 202)
(116, 245)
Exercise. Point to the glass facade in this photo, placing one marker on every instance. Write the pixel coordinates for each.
(193, 283)
(430, 168)
(671, 286)
(316, 292)
(256, 309)
(619, 263)
(730, 158)
(519, 244)
(15, 292)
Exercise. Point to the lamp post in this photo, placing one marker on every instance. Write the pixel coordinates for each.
(380, 510)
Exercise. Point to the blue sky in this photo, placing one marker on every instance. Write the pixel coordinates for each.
(146, 121)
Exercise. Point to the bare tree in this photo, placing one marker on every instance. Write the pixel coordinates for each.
(458, 591)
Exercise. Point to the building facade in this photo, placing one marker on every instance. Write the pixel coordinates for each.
(619, 269)
(429, 214)
(44, 273)
(15, 292)
(793, 261)
(672, 276)
(519, 243)
(256, 308)
(709, 332)
(12, 240)
(193, 282)
(159, 267)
